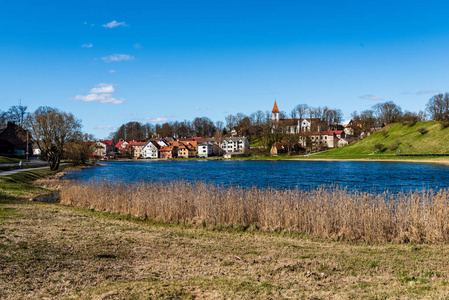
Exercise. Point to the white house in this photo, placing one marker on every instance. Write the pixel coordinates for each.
(151, 150)
(205, 149)
(235, 145)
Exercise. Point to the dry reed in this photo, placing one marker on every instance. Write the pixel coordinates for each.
(418, 217)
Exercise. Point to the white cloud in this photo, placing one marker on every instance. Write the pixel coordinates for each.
(106, 127)
(197, 108)
(137, 46)
(112, 71)
(117, 57)
(114, 24)
(371, 97)
(101, 98)
(103, 88)
(101, 93)
(423, 92)
(156, 120)
(87, 45)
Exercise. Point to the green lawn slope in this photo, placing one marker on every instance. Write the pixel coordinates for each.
(8, 159)
(394, 138)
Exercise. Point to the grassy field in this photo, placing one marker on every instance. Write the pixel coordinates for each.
(395, 137)
(54, 251)
(7, 159)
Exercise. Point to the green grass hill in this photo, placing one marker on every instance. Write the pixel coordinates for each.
(404, 137)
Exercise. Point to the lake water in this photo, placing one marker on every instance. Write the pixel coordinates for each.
(365, 176)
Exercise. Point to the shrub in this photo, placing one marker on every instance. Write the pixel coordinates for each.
(379, 147)
(384, 133)
(445, 124)
(409, 123)
(393, 147)
(422, 130)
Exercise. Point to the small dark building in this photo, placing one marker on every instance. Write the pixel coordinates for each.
(10, 142)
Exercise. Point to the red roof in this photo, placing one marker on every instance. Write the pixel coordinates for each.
(137, 143)
(275, 108)
(166, 148)
(110, 143)
(119, 144)
(278, 146)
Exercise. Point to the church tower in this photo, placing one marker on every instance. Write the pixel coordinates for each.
(275, 113)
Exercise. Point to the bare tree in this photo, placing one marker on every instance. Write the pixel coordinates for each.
(364, 122)
(438, 107)
(301, 110)
(3, 117)
(230, 122)
(388, 112)
(52, 130)
(18, 114)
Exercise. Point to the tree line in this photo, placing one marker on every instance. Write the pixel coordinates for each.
(58, 134)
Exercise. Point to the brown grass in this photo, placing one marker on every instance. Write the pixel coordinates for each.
(417, 217)
(49, 251)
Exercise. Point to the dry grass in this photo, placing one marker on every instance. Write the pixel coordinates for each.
(415, 217)
(55, 252)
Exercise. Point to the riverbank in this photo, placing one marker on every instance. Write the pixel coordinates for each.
(54, 251)
(365, 158)
(312, 157)
(424, 160)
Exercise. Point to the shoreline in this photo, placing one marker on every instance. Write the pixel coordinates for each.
(439, 161)
(426, 161)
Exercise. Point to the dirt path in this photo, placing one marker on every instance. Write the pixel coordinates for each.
(6, 173)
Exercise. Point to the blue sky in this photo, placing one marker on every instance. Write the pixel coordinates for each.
(111, 62)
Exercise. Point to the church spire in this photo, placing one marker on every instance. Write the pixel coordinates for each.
(275, 108)
(275, 112)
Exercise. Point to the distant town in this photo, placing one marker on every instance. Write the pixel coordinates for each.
(305, 130)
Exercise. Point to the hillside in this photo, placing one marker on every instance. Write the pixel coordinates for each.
(397, 137)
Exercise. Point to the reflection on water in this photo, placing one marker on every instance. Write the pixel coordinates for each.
(366, 176)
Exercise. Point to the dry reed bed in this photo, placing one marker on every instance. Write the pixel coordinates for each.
(420, 216)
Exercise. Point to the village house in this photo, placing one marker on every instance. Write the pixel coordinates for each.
(323, 139)
(168, 151)
(151, 150)
(191, 146)
(277, 148)
(104, 148)
(205, 149)
(186, 150)
(234, 145)
(349, 131)
(121, 145)
(10, 141)
(135, 148)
